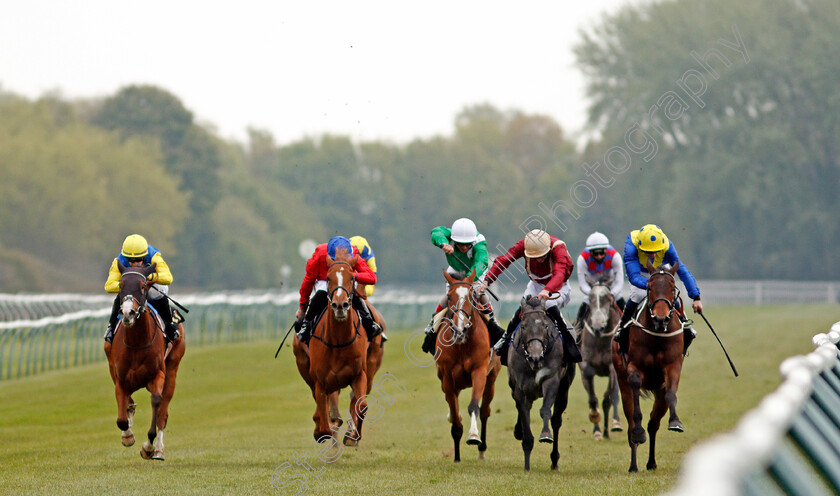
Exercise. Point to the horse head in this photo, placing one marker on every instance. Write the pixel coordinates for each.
(341, 279)
(134, 290)
(662, 294)
(460, 304)
(600, 301)
(535, 331)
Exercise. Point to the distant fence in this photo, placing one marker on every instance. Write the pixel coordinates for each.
(789, 444)
(47, 332)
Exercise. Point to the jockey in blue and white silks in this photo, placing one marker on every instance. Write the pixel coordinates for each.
(650, 245)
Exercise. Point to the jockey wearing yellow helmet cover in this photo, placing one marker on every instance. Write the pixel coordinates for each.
(650, 245)
(366, 252)
(137, 251)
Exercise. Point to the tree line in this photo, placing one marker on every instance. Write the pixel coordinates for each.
(716, 121)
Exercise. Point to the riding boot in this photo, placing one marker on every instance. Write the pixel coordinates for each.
(316, 305)
(622, 338)
(501, 346)
(112, 320)
(571, 353)
(371, 326)
(688, 333)
(494, 329)
(431, 337)
(170, 330)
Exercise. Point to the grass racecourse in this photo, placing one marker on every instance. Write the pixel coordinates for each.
(240, 423)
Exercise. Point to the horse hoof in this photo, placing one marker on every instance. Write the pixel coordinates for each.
(128, 440)
(349, 441)
(481, 455)
(158, 455)
(595, 416)
(651, 466)
(146, 455)
(597, 436)
(546, 438)
(616, 426)
(676, 426)
(474, 440)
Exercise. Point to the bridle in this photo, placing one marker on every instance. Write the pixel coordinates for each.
(141, 305)
(546, 347)
(595, 307)
(341, 286)
(669, 302)
(458, 309)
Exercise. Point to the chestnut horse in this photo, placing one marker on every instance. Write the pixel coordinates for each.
(375, 353)
(595, 333)
(138, 357)
(536, 370)
(653, 362)
(338, 352)
(463, 359)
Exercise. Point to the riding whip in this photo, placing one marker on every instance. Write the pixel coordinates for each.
(467, 268)
(721, 344)
(181, 307)
(287, 335)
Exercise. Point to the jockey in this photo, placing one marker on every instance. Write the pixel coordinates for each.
(549, 267)
(649, 244)
(137, 252)
(466, 250)
(599, 258)
(316, 277)
(366, 252)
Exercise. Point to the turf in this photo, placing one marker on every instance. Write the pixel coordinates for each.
(240, 423)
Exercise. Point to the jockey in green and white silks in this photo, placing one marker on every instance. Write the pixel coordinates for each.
(650, 245)
(466, 250)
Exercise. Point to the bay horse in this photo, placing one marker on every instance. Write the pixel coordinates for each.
(653, 362)
(138, 357)
(375, 354)
(536, 370)
(338, 352)
(463, 360)
(595, 333)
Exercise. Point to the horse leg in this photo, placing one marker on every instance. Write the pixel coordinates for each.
(672, 382)
(523, 407)
(549, 390)
(479, 379)
(588, 379)
(613, 392)
(457, 429)
(489, 392)
(125, 414)
(322, 427)
(660, 406)
(557, 418)
(149, 448)
(335, 414)
(358, 409)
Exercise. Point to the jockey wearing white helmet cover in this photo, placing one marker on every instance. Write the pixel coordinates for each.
(599, 261)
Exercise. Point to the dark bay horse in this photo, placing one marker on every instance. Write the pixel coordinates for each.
(536, 370)
(463, 360)
(595, 333)
(653, 363)
(375, 353)
(138, 357)
(338, 352)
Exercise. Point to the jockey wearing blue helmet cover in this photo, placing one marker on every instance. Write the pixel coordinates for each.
(339, 243)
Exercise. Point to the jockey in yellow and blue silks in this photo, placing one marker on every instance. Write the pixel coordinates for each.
(136, 251)
(650, 245)
(366, 252)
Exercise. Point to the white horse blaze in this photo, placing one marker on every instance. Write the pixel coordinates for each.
(127, 306)
(340, 277)
(473, 425)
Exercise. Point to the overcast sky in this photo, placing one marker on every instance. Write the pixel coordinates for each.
(371, 70)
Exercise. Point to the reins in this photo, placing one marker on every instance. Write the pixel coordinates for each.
(140, 311)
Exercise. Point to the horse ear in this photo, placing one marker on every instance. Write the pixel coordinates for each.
(471, 277)
(152, 268)
(589, 280)
(330, 259)
(121, 266)
(675, 268)
(523, 302)
(449, 278)
(650, 267)
(353, 261)
(611, 279)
